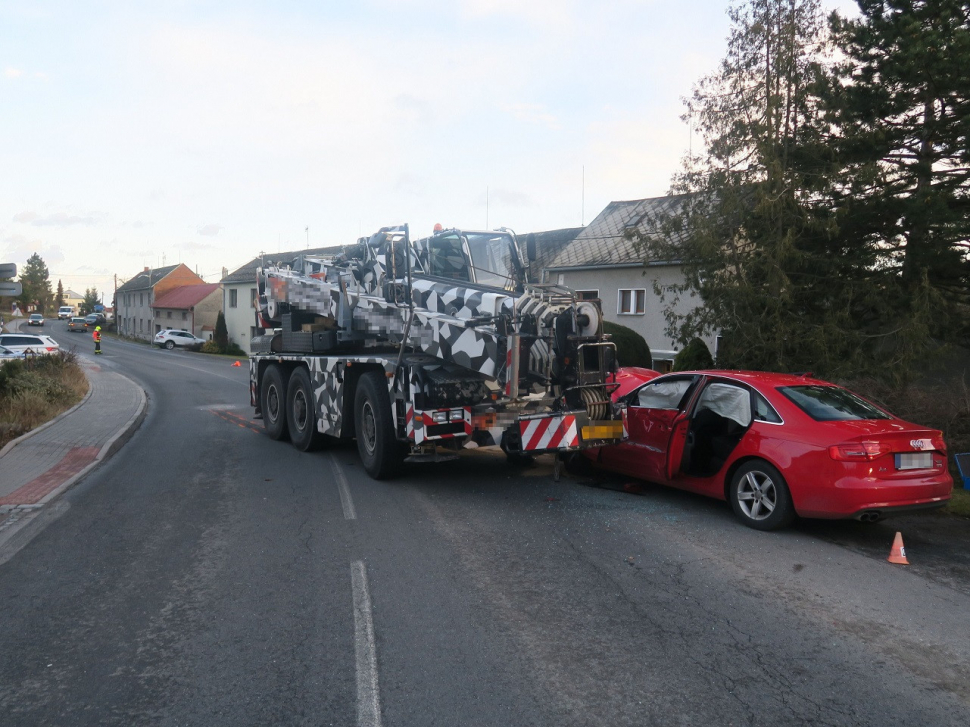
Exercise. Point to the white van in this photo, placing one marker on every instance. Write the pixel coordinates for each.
(65, 311)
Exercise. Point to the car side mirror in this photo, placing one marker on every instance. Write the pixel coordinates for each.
(530, 247)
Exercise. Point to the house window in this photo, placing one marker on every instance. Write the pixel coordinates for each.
(232, 297)
(185, 315)
(631, 301)
(252, 332)
(587, 294)
(252, 297)
(141, 299)
(663, 365)
(168, 314)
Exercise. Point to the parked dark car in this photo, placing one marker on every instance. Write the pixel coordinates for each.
(94, 319)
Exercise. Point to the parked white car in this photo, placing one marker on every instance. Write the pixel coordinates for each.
(7, 355)
(29, 343)
(172, 337)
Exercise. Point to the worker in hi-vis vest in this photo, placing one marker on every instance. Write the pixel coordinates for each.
(97, 339)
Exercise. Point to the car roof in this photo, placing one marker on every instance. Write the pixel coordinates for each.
(764, 378)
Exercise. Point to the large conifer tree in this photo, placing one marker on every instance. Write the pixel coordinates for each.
(900, 113)
(754, 243)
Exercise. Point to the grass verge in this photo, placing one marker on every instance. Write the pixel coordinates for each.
(35, 391)
(960, 501)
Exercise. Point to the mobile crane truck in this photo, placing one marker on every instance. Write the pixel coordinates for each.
(419, 348)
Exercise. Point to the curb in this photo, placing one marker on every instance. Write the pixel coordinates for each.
(109, 448)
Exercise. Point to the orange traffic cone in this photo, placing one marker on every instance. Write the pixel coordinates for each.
(237, 364)
(898, 553)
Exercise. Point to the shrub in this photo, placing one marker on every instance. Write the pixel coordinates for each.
(631, 348)
(210, 347)
(234, 350)
(695, 355)
(221, 335)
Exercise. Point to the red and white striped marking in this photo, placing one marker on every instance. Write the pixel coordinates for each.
(418, 421)
(555, 432)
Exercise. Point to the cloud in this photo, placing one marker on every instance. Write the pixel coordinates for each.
(533, 114)
(156, 194)
(90, 270)
(56, 219)
(19, 248)
(210, 230)
(508, 197)
(10, 72)
(197, 245)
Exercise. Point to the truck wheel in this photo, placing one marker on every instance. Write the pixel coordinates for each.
(380, 451)
(272, 402)
(301, 417)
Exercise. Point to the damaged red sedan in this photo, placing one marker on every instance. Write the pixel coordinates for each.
(776, 446)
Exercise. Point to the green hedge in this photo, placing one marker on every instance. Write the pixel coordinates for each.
(631, 348)
(695, 355)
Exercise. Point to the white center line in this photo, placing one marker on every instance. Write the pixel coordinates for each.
(348, 504)
(368, 696)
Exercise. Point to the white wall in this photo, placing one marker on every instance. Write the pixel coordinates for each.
(239, 320)
(651, 323)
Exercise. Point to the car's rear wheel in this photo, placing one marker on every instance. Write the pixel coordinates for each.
(760, 497)
(272, 402)
(301, 418)
(169, 345)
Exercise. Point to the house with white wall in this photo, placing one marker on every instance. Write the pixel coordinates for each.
(602, 262)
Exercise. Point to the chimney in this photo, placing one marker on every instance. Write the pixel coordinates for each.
(147, 268)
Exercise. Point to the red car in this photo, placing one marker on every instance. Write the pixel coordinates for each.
(776, 446)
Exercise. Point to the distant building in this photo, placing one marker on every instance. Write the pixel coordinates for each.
(134, 300)
(73, 299)
(192, 307)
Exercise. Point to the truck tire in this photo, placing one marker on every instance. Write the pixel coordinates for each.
(272, 402)
(380, 452)
(301, 416)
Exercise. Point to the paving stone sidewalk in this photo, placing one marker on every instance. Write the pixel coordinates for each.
(39, 466)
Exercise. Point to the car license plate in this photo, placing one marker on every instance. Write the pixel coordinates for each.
(914, 461)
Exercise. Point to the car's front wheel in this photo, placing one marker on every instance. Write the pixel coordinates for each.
(760, 497)
(170, 345)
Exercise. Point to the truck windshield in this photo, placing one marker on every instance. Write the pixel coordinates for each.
(492, 259)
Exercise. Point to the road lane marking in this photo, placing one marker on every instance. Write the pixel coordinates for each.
(345, 500)
(368, 696)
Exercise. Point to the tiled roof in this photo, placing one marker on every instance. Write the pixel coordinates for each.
(548, 246)
(247, 273)
(146, 279)
(604, 241)
(186, 296)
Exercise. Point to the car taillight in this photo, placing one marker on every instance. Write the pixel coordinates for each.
(51, 349)
(938, 444)
(859, 451)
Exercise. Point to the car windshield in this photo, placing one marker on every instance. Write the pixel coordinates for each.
(831, 403)
(492, 259)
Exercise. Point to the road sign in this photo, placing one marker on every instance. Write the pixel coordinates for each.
(8, 270)
(11, 289)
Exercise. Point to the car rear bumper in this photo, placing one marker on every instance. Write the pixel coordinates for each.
(872, 498)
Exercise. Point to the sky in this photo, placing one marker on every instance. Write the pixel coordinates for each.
(148, 134)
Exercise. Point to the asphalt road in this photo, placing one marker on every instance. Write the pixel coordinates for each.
(210, 576)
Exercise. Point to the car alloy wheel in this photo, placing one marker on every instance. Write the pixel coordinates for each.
(760, 497)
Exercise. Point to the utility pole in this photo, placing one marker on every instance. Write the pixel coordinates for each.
(486, 208)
